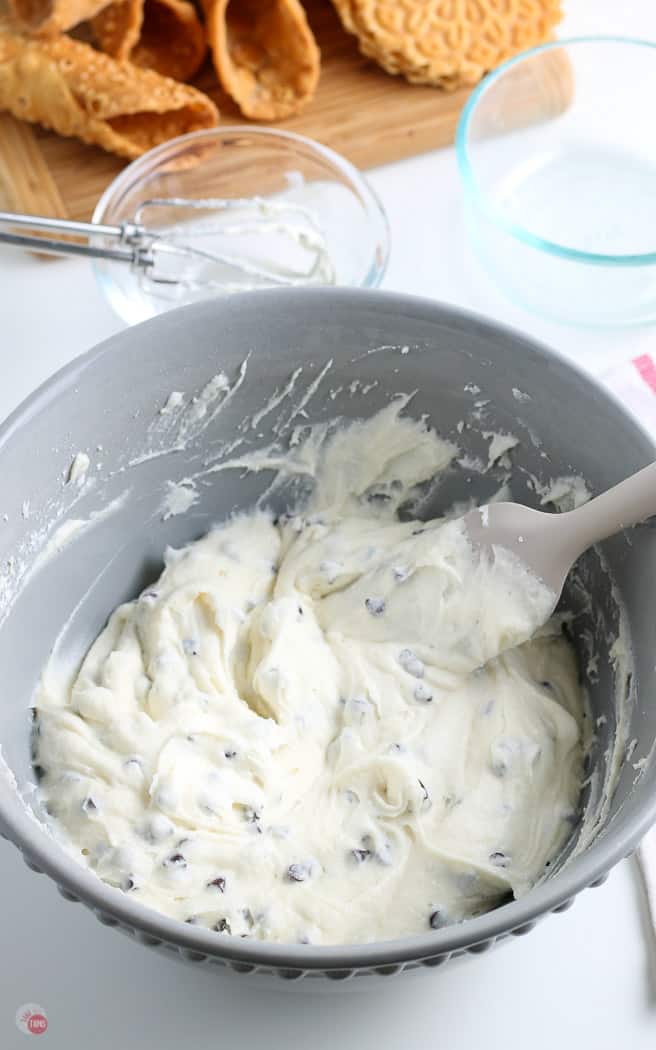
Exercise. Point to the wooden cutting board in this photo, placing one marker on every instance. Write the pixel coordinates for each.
(359, 110)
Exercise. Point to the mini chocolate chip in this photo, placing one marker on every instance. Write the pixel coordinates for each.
(219, 882)
(192, 920)
(378, 497)
(35, 733)
(499, 859)
(411, 663)
(252, 816)
(229, 753)
(375, 606)
(222, 926)
(436, 920)
(89, 805)
(128, 884)
(360, 855)
(174, 860)
(300, 611)
(423, 694)
(499, 766)
(299, 872)
(546, 685)
(418, 532)
(39, 771)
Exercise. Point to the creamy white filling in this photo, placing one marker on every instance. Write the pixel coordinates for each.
(304, 730)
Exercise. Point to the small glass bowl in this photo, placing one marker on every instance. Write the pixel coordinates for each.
(559, 173)
(285, 210)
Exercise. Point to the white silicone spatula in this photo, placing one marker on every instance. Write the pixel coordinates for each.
(549, 544)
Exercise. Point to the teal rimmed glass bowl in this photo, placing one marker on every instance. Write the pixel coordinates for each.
(557, 156)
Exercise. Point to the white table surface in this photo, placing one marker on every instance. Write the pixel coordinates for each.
(586, 977)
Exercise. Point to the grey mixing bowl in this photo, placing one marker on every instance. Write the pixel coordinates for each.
(107, 404)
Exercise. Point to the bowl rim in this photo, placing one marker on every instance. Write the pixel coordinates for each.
(42, 849)
(376, 213)
(481, 199)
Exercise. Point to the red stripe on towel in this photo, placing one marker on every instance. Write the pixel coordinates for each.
(646, 370)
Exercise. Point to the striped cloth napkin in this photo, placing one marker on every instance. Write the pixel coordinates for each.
(634, 382)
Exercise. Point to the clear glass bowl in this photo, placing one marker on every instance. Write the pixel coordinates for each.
(285, 211)
(558, 165)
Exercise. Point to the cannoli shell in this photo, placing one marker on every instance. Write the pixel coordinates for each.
(71, 88)
(164, 35)
(265, 55)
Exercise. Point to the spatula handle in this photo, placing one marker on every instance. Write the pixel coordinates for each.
(628, 503)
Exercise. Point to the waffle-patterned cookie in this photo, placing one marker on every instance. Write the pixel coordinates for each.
(447, 43)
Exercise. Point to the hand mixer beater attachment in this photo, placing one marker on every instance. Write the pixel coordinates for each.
(184, 247)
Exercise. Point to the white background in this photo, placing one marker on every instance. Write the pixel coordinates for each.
(587, 977)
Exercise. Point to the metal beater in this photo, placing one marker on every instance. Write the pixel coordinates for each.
(281, 243)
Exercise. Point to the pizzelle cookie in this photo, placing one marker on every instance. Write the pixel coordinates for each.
(265, 55)
(164, 35)
(444, 42)
(71, 88)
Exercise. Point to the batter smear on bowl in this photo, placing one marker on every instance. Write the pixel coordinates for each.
(328, 727)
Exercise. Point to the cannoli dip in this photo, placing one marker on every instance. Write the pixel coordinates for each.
(329, 727)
